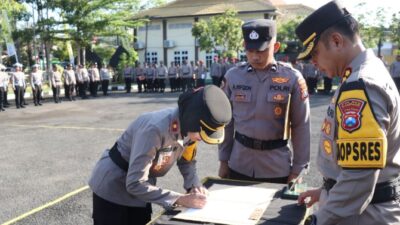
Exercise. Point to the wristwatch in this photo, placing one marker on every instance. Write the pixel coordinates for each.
(311, 220)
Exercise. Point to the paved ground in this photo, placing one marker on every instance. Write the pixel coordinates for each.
(48, 152)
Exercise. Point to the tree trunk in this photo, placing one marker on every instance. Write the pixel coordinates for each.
(78, 55)
(83, 56)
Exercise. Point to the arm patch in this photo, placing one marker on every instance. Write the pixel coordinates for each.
(361, 141)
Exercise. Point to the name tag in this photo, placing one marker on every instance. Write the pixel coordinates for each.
(362, 153)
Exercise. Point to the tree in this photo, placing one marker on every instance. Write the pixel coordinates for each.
(220, 32)
(286, 32)
(395, 31)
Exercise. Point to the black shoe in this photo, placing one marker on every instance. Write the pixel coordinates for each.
(2, 109)
(40, 104)
(26, 103)
(22, 106)
(36, 104)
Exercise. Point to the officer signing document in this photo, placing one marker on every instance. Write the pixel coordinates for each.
(123, 180)
(358, 156)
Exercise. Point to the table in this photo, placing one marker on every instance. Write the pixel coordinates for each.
(279, 212)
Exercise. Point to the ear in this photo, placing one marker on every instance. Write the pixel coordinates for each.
(277, 45)
(337, 40)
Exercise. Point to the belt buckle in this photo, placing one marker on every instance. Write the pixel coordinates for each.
(257, 144)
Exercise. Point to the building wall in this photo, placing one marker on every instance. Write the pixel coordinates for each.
(179, 31)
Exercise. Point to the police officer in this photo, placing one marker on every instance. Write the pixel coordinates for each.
(3, 84)
(140, 78)
(128, 78)
(55, 80)
(311, 75)
(70, 82)
(265, 95)
(201, 74)
(216, 72)
(123, 181)
(358, 155)
(173, 76)
(395, 71)
(36, 83)
(186, 72)
(19, 84)
(161, 76)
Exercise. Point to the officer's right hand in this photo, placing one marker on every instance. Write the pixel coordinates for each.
(223, 169)
(192, 200)
(309, 197)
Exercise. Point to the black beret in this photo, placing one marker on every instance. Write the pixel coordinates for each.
(206, 110)
(258, 33)
(315, 24)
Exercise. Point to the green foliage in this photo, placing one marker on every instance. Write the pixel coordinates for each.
(104, 52)
(395, 30)
(222, 31)
(286, 29)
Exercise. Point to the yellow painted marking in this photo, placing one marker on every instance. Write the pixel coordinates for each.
(33, 211)
(67, 127)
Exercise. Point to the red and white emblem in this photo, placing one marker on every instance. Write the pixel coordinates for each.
(351, 113)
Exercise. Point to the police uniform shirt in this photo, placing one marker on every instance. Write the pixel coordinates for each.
(259, 99)
(161, 72)
(216, 69)
(84, 73)
(55, 78)
(139, 71)
(69, 77)
(79, 77)
(128, 72)
(186, 71)
(395, 69)
(150, 73)
(309, 70)
(354, 189)
(105, 74)
(172, 72)
(18, 79)
(95, 74)
(151, 144)
(201, 72)
(36, 78)
(4, 79)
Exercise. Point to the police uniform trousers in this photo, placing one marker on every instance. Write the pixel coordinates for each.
(19, 96)
(149, 86)
(71, 88)
(327, 85)
(108, 213)
(161, 84)
(128, 84)
(238, 176)
(312, 85)
(140, 84)
(104, 86)
(37, 94)
(56, 93)
(156, 85)
(5, 98)
(216, 81)
(2, 102)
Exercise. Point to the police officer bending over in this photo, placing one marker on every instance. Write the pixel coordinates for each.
(265, 95)
(358, 155)
(123, 181)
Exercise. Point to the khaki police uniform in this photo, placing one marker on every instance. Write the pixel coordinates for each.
(125, 176)
(186, 72)
(216, 72)
(55, 79)
(70, 82)
(359, 148)
(365, 150)
(3, 86)
(19, 84)
(36, 83)
(259, 103)
(140, 78)
(161, 76)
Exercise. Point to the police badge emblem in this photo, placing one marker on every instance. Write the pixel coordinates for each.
(254, 35)
(351, 113)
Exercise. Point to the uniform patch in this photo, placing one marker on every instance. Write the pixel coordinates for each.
(240, 97)
(351, 113)
(326, 127)
(362, 153)
(278, 111)
(241, 87)
(327, 146)
(303, 89)
(278, 97)
(279, 88)
(346, 74)
(174, 127)
(280, 80)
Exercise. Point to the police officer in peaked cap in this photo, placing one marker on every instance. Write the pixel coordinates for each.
(123, 181)
(265, 95)
(359, 148)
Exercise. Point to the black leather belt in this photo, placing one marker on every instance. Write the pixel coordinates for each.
(259, 144)
(384, 192)
(116, 157)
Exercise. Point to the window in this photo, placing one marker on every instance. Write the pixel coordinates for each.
(180, 26)
(150, 27)
(180, 56)
(152, 57)
(210, 58)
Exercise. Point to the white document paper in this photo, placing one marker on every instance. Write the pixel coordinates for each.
(236, 205)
